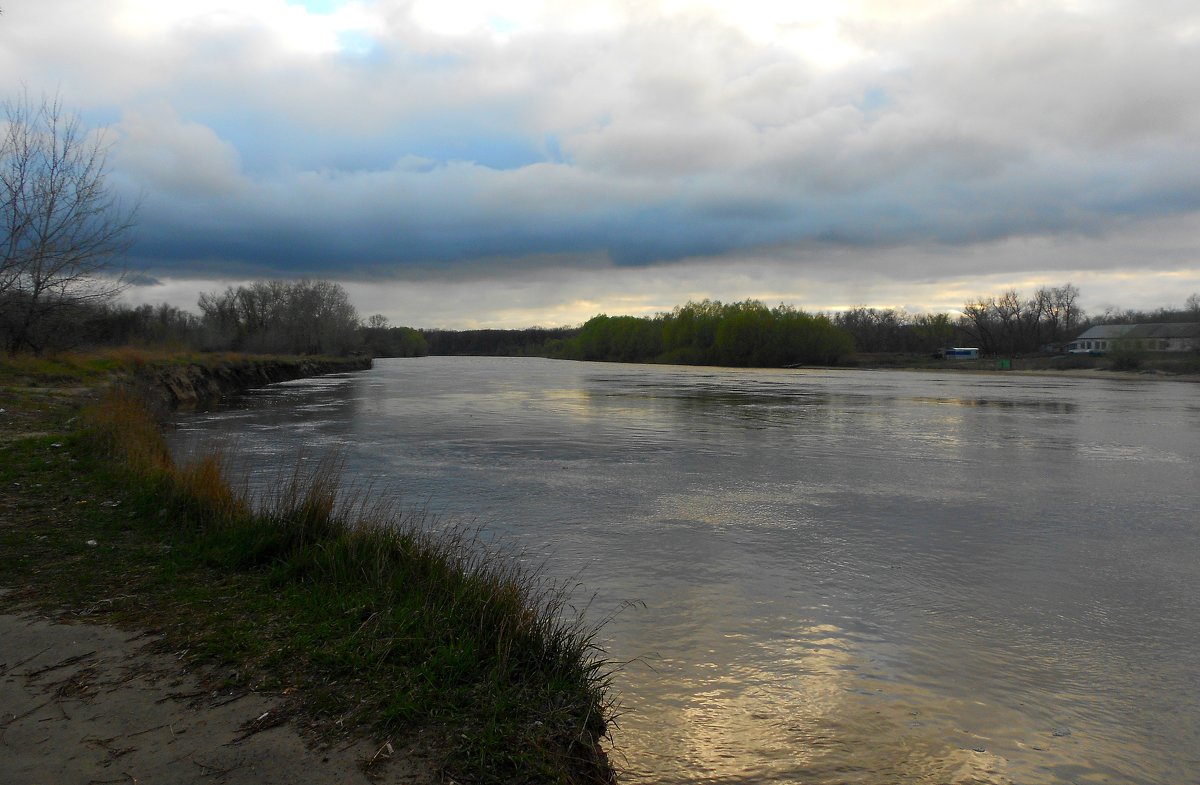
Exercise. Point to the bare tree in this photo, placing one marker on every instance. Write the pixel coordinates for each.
(305, 317)
(1062, 314)
(1008, 309)
(62, 225)
(321, 319)
(979, 321)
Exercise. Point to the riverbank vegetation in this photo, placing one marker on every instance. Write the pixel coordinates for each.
(381, 339)
(373, 619)
(713, 333)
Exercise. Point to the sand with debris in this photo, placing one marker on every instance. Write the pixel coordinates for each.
(94, 705)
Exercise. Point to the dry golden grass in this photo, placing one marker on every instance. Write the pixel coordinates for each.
(120, 426)
(203, 478)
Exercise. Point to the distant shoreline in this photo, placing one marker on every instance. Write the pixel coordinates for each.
(1061, 373)
(947, 366)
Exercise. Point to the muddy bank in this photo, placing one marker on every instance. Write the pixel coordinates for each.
(196, 386)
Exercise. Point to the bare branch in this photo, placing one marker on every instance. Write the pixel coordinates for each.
(62, 225)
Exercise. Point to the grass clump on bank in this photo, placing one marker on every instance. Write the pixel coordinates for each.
(91, 365)
(370, 620)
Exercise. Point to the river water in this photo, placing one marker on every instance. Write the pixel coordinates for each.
(839, 576)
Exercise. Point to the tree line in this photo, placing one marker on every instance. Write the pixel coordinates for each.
(265, 317)
(1006, 324)
(317, 317)
(713, 333)
(750, 334)
(887, 330)
(528, 342)
(995, 324)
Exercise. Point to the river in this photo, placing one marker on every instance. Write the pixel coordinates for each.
(836, 576)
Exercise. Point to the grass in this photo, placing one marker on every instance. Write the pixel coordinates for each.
(99, 364)
(91, 365)
(370, 619)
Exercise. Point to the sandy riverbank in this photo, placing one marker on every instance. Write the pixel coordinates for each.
(85, 703)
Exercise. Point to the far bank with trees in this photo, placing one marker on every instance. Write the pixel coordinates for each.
(713, 333)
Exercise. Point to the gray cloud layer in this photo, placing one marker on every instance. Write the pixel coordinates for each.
(657, 138)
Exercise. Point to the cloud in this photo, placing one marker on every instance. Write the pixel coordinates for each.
(415, 139)
(170, 157)
(136, 278)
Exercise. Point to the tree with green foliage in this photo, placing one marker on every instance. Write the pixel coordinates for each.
(619, 338)
(382, 340)
(933, 331)
(690, 332)
(746, 334)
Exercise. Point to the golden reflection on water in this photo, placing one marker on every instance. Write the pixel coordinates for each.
(812, 706)
(723, 703)
(581, 404)
(797, 710)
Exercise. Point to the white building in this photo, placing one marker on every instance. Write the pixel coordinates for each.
(1181, 337)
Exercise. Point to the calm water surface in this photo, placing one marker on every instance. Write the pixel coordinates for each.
(847, 576)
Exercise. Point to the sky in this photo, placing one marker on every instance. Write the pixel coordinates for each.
(477, 163)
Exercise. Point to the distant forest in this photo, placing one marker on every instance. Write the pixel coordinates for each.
(529, 342)
(317, 317)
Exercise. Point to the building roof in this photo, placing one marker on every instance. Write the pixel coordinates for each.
(1160, 330)
(1179, 330)
(1103, 331)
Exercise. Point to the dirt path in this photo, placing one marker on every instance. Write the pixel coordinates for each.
(85, 704)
